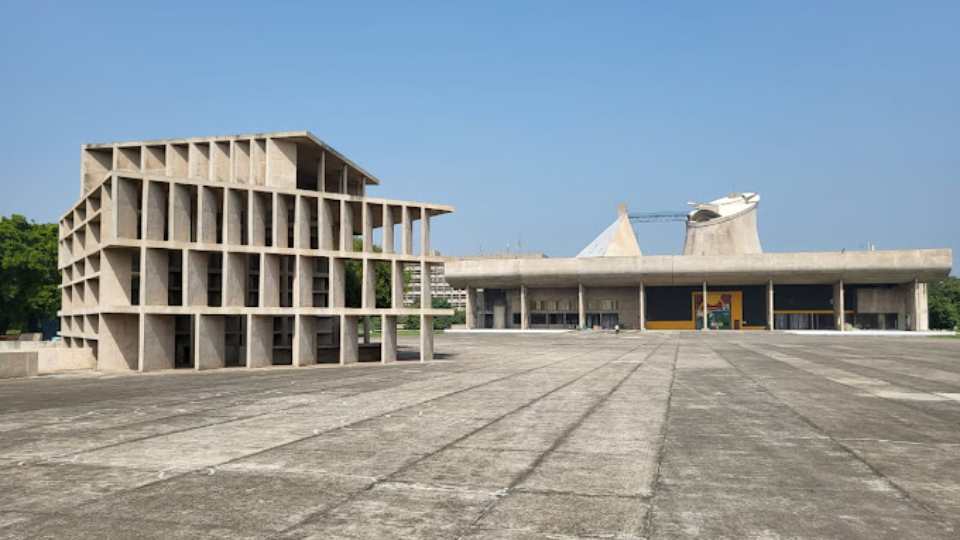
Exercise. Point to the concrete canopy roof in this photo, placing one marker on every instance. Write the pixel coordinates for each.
(863, 267)
(302, 137)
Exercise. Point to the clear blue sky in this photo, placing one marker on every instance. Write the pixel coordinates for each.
(534, 119)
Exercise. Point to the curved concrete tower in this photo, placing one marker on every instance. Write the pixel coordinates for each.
(617, 240)
(725, 226)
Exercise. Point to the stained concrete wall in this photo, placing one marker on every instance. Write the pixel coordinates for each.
(731, 235)
(16, 365)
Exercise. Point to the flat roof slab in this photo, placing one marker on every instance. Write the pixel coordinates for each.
(584, 434)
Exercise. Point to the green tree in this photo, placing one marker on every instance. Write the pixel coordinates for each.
(28, 273)
(354, 279)
(943, 299)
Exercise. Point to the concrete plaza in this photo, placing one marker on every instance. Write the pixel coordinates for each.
(652, 435)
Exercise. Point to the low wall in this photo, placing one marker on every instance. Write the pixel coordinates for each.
(55, 359)
(15, 365)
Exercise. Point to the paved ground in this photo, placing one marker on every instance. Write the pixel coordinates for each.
(660, 435)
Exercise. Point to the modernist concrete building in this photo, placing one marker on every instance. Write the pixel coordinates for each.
(611, 283)
(439, 288)
(235, 251)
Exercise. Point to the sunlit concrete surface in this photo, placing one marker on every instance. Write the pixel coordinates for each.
(657, 435)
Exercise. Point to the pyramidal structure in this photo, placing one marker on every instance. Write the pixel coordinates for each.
(617, 240)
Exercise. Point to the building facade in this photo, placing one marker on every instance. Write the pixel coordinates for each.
(611, 284)
(235, 251)
(439, 288)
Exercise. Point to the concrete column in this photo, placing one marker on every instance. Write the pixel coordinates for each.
(325, 226)
(181, 217)
(424, 231)
(426, 298)
(582, 306)
(922, 317)
(839, 314)
(301, 229)
(770, 318)
(406, 238)
(322, 172)
(119, 344)
(368, 282)
(366, 329)
(388, 223)
(426, 338)
(269, 280)
(196, 274)
(367, 221)
(346, 226)
(156, 342)
(344, 179)
(303, 282)
(209, 342)
(349, 348)
(388, 339)
(643, 307)
(232, 222)
(396, 284)
(471, 308)
(234, 279)
(207, 214)
(259, 341)
(338, 283)
(524, 311)
(916, 306)
(703, 311)
(304, 340)
(279, 221)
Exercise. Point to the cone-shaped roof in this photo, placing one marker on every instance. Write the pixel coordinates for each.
(617, 240)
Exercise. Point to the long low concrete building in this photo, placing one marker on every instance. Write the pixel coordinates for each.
(806, 290)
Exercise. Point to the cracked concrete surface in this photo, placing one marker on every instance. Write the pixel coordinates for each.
(655, 435)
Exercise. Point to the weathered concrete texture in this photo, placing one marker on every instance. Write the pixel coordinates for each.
(18, 364)
(636, 435)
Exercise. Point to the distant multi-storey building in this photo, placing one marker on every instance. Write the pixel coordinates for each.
(234, 251)
(439, 288)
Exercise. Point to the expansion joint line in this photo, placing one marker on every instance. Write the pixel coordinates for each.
(857, 369)
(326, 511)
(565, 434)
(662, 450)
(345, 426)
(901, 491)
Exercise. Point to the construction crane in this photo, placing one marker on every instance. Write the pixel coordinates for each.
(657, 217)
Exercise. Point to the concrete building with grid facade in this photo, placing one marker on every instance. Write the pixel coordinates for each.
(235, 251)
